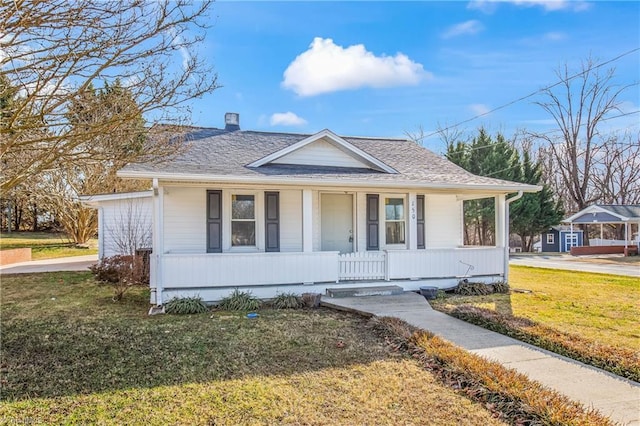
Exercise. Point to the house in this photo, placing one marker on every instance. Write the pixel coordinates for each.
(283, 212)
(560, 239)
(601, 214)
(124, 221)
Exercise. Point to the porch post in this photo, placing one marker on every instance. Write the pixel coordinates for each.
(155, 278)
(504, 202)
(502, 230)
(307, 220)
(626, 234)
(502, 234)
(413, 221)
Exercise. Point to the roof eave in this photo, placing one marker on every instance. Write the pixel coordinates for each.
(326, 182)
(95, 200)
(595, 208)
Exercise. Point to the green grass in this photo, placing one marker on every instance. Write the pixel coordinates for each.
(45, 245)
(599, 307)
(71, 355)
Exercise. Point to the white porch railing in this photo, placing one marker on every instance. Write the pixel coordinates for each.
(188, 270)
(445, 262)
(369, 265)
(244, 269)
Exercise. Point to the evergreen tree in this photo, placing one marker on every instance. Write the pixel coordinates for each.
(484, 156)
(534, 212)
(498, 158)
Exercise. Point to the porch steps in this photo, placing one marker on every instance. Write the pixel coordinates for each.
(387, 290)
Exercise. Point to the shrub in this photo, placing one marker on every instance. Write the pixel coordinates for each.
(465, 288)
(122, 272)
(501, 287)
(287, 301)
(620, 361)
(185, 305)
(240, 301)
(311, 300)
(510, 395)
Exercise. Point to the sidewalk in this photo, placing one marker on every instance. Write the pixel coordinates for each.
(611, 395)
(75, 263)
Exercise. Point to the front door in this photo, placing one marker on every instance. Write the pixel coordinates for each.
(336, 222)
(570, 240)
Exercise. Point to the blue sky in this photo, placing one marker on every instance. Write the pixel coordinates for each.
(385, 68)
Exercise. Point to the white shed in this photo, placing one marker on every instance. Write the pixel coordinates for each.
(124, 221)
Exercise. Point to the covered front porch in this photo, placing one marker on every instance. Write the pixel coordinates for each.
(214, 276)
(209, 240)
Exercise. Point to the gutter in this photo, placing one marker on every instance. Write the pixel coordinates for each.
(269, 180)
(506, 232)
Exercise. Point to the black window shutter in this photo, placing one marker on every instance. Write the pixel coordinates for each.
(373, 222)
(214, 221)
(272, 221)
(420, 221)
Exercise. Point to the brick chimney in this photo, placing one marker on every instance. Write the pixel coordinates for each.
(231, 121)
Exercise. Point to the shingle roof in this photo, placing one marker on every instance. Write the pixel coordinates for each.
(216, 152)
(631, 211)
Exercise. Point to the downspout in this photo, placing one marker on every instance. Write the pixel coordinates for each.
(506, 233)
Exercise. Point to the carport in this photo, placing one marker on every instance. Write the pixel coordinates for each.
(611, 214)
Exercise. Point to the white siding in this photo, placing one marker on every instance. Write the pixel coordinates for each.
(290, 221)
(443, 221)
(185, 220)
(122, 220)
(320, 153)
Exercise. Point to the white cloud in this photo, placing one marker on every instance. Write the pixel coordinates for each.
(479, 109)
(555, 36)
(489, 6)
(286, 119)
(464, 28)
(326, 67)
(178, 42)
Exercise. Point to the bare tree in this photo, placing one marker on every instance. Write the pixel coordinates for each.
(53, 51)
(578, 105)
(130, 229)
(616, 172)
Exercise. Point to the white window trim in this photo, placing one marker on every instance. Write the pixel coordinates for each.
(383, 223)
(552, 238)
(227, 196)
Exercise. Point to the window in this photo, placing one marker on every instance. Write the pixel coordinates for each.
(550, 239)
(243, 220)
(394, 220)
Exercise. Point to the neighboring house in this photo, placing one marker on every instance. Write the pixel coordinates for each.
(124, 221)
(560, 239)
(280, 212)
(600, 214)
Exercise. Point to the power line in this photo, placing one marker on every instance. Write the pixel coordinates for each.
(583, 72)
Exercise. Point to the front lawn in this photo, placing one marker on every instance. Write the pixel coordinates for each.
(71, 355)
(599, 307)
(46, 245)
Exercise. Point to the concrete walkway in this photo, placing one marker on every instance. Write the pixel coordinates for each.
(75, 263)
(571, 263)
(610, 394)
